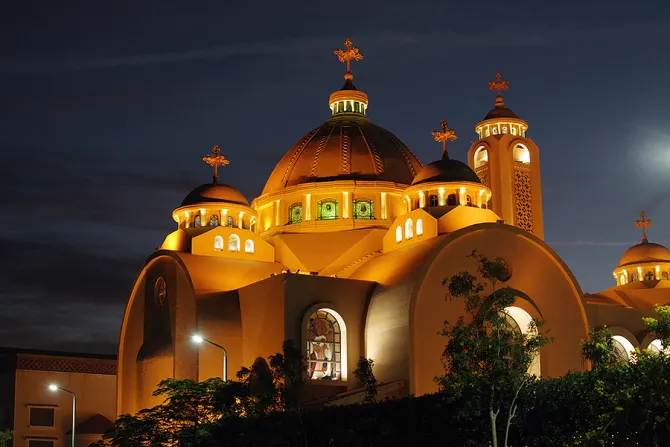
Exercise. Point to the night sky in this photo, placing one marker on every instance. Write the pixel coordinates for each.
(106, 109)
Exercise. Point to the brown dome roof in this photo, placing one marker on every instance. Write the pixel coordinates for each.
(500, 112)
(346, 147)
(446, 170)
(213, 192)
(644, 252)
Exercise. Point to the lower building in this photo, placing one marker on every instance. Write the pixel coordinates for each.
(42, 417)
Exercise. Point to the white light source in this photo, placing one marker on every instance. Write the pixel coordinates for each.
(53, 387)
(196, 338)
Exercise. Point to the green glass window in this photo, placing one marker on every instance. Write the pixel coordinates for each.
(364, 209)
(326, 209)
(213, 220)
(295, 213)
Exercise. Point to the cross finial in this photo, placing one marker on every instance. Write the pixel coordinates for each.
(643, 223)
(347, 55)
(215, 159)
(443, 136)
(499, 85)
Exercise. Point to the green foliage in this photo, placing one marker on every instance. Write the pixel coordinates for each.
(661, 324)
(486, 358)
(5, 437)
(599, 348)
(364, 373)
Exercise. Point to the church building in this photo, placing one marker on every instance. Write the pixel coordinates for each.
(345, 253)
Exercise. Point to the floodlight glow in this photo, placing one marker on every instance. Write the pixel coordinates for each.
(197, 338)
(53, 387)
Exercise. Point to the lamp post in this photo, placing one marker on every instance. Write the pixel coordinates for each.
(54, 387)
(199, 340)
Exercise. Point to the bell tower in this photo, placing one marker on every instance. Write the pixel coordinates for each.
(508, 163)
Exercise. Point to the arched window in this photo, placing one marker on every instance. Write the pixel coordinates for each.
(230, 222)
(213, 220)
(451, 200)
(234, 243)
(326, 346)
(218, 243)
(363, 209)
(521, 153)
(623, 348)
(419, 227)
(326, 209)
(519, 320)
(649, 276)
(249, 246)
(196, 220)
(664, 275)
(481, 157)
(295, 213)
(409, 229)
(468, 200)
(622, 280)
(634, 277)
(656, 346)
(433, 200)
(398, 234)
(357, 107)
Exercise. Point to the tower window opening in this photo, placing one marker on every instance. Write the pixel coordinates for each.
(468, 201)
(433, 200)
(513, 130)
(357, 107)
(295, 213)
(451, 200)
(326, 209)
(504, 129)
(409, 229)
(521, 154)
(213, 220)
(234, 243)
(481, 157)
(495, 131)
(622, 280)
(363, 209)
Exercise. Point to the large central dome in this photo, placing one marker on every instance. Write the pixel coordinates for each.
(346, 147)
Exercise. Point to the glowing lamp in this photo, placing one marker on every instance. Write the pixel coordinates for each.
(53, 387)
(197, 339)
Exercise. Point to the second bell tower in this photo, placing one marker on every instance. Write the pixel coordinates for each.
(508, 163)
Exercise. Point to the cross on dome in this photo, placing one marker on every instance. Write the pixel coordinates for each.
(347, 55)
(643, 223)
(499, 85)
(216, 159)
(443, 136)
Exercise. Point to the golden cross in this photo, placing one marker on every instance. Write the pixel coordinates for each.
(347, 55)
(444, 135)
(643, 223)
(497, 85)
(215, 159)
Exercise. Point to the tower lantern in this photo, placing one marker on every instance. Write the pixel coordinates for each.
(348, 99)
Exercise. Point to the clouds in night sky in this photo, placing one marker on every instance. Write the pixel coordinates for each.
(107, 108)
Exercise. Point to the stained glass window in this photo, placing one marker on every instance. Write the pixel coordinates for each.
(451, 200)
(634, 277)
(363, 209)
(196, 220)
(230, 222)
(213, 220)
(324, 346)
(664, 275)
(326, 209)
(433, 200)
(468, 200)
(649, 276)
(160, 291)
(295, 213)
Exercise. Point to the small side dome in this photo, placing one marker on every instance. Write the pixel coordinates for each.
(446, 170)
(645, 252)
(213, 192)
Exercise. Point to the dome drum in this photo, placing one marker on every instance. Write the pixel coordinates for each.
(213, 205)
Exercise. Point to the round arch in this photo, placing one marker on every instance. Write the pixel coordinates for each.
(481, 156)
(524, 321)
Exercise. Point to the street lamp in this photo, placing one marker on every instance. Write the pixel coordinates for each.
(54, 387)
(198, 339)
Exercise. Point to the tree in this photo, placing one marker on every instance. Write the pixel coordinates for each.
(485, 357)
(660, 325)
(364, 373)
(5, 437)
(599, 348)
